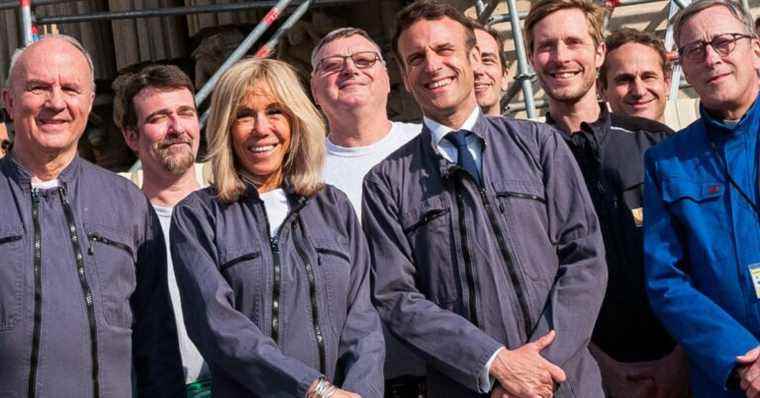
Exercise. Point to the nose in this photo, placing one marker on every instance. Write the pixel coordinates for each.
(175, 125)
(262, 125)
(432, 63)
(711, 56)
(560, 52)
(56, 100)
(637, 88)
(349, 67)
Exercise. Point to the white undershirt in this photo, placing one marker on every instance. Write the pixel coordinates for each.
(47, 184)
(345, 167)
(277, 209)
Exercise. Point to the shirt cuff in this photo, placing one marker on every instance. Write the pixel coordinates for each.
(486, 380)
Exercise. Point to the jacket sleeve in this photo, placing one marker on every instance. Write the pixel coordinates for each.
(581, 279)
(155, 347)
(711, 337)
(459, 349)
(362, 349)
(226, 338)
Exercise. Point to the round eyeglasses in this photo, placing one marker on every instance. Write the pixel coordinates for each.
(723, 44)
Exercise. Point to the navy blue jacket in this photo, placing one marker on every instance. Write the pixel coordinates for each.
(268, 314)
(83, 289)
(462, 269)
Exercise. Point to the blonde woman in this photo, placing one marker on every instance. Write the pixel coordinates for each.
(272, 264)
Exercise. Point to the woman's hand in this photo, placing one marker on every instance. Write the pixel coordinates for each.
(322, 388)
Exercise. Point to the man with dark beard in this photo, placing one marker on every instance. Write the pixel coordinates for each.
(155, 110)
(636, 355)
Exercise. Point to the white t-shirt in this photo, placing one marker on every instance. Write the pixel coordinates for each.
(192, 361)
(345, 167)
(277, 208)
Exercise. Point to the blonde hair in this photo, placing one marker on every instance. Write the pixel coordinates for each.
(302, 166)
(541, 9)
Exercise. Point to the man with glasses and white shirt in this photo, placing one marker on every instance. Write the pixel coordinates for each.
(702, 206)
(350, 84)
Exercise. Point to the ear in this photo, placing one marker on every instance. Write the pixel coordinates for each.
(756, 53)
(131, 137)
(8, 100)
(601, 52)
(505, 81)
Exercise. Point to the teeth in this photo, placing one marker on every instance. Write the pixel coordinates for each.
(564, 75)
(440, 83)
(260, 149)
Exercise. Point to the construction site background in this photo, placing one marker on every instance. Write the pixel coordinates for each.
(199, 43)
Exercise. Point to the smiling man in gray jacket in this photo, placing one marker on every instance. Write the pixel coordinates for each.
(487, 252)
(83, 289)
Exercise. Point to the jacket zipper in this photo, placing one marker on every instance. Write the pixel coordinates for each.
(521, 196)
(274, 243)
(314, 307)
(93, 237)
(508, 260)
(427, 218)
(86, 291)
(9, 239)
(37, 293)
(469, 269)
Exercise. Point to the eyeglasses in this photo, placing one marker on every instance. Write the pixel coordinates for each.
(335, 63)
(723, 44)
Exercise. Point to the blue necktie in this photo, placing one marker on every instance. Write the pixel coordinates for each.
(464, 157)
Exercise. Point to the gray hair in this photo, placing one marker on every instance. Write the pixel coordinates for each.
(69, 39)
(341, 33)
(679, 20)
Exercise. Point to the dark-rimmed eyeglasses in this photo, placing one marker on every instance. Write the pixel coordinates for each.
(335, 63)
(723, 44)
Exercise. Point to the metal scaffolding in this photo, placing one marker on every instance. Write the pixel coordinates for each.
(525, 75)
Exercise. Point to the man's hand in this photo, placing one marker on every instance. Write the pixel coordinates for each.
(523, 373)
(749, 372)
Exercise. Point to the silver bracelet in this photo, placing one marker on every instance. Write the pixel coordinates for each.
(323, 389)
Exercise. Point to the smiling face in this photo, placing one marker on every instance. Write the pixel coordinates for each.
(49, 99)
(727, 85)
(490, 76)
(350, 87)
(167, 134)
(438, 69)
(636, 83)
(261, 137)
(565, 57)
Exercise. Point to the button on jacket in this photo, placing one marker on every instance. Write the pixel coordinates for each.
(83, 289)
(268, 314)
(610, 154)
(462, 269)
(701, 238)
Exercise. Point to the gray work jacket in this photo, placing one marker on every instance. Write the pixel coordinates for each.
(462, 269)
(83, 289)
(268, 314)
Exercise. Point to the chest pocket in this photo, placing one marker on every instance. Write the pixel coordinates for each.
(114, 256)
(523, 206)
(11, 275)
(334, 273)
(242, 269)
(428, 228)
(700, 207)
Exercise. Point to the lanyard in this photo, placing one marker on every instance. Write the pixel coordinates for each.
(731, 180)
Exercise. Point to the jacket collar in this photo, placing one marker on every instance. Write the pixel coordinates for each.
(598, 129)
(251, 192)
(12, 168)
(479, 128)
(719, 129)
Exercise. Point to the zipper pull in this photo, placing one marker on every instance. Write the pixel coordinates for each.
(275, 243)
(35, 194)
(91, 250)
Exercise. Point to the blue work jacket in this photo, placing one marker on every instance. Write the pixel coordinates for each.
(701, 237)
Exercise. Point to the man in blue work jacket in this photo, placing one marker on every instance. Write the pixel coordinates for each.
(702, 221)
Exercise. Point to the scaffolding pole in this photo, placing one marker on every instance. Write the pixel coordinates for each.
(168, 12)
(25, 17)
(242, 49)
(267, 48)
(524, 72)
